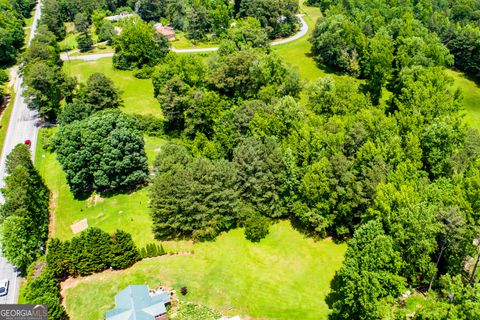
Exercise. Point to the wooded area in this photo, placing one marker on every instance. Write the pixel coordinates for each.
(377, 154)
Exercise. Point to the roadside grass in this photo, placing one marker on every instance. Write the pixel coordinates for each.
(285, 276)
(128, 212)
(471, 96)
(136, 93)
(5, 118)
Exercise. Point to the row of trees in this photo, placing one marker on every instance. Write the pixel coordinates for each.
(93, 250)
(24, 214)
(46, 84)
(12, 15)
(196, 18)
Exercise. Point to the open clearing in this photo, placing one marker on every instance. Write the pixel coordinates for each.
(136, 93)
(285, 276)
(128, 212)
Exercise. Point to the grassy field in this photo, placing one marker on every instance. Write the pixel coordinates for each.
(285, 276)
(297, 53)
(137, 93)
(471, 96)
(126, 211)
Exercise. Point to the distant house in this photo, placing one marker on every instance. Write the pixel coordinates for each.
(136, 302)
(168, 32)
(120, 16)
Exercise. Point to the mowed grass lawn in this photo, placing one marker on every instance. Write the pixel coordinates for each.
(136, 93)
(298, 53)
(128, 212)
(285, 276)
(471, 96)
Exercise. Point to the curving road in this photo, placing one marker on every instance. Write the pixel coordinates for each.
(90, 57)
(23, 125)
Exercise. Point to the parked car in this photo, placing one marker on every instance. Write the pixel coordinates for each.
(28, 142)
(4, 287)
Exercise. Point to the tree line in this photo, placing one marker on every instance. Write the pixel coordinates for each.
(197, 18)
(12, 20)
(24, 214)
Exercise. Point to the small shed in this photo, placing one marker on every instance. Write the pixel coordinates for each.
(168, 32)
(136, 302)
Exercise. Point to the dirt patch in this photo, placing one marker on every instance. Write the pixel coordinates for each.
(79, 226)
(13, 76)
(38, 268)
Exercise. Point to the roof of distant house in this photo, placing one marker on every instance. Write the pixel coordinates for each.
(166, 31)
(136, 303)
(120, 16)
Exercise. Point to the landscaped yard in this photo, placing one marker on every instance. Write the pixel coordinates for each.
(128, 212)
(137, 93)
(285, 276)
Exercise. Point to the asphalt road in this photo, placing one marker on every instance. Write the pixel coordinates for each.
(90, 57)
(23, 125)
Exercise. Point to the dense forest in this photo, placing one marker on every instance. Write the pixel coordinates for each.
(380, 156)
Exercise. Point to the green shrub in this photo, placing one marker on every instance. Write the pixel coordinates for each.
(256, 227)
(144, 73)
(3, 76)
(149, 124)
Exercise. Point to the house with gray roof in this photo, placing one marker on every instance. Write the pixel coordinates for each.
(136, 302)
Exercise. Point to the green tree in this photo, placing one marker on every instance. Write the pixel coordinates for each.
(43, 93)
(100, 93)
(192, 197)
(103, 153)
(248, 32)
(196, 21)
(81, 23)
(139, 45)
(256, 227)
(203, 112)
(124, 251)
(84, 41)
(90, 252)
(77, 110)
(260, 175)
(335, 97)
(45, 289)
(18, 245)
(58, 258)
(174, 99)
(339, 43)
(368, 276)
(52, 18)
(378, 64)
(106, 31)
